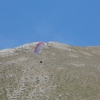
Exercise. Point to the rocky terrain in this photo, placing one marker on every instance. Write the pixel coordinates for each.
(66, 73)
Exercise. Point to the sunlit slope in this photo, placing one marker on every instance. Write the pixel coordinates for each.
(66, 73)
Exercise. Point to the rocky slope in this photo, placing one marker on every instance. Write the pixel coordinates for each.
(66, 73)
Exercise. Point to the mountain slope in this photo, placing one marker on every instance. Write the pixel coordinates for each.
(66, 73)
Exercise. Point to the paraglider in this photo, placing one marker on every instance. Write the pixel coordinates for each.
(41, 61)
(38, 47)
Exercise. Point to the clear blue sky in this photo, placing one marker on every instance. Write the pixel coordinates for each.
(73, 22)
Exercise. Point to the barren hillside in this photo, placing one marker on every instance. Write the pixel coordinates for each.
(66, 73)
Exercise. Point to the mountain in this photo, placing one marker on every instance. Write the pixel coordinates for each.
(65, 73)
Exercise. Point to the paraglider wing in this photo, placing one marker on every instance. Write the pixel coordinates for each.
(38, 47)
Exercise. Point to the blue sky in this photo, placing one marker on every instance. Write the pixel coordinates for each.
(73, 22)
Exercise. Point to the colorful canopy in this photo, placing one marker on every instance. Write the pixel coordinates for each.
(38, 47)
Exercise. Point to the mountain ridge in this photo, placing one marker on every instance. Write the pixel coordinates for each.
(66, 73)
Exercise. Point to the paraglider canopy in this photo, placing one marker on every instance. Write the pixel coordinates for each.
(38, 47)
